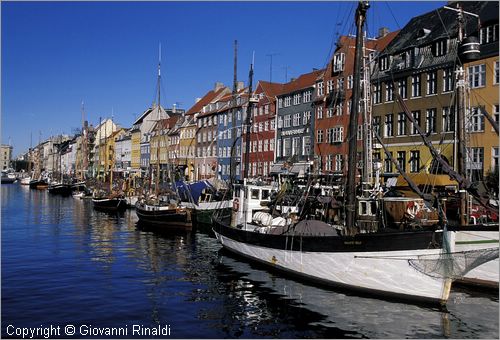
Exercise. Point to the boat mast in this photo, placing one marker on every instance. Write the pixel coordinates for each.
(157, 175)
(248, 122)
(350, 203)
(367, 129)
(232, 168)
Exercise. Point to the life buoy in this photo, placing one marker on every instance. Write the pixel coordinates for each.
(412, 209)
(236, 204)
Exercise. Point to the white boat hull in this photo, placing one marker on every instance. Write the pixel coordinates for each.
(486, 274)
(386, 273)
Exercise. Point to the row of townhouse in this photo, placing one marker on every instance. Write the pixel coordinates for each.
(301, 126)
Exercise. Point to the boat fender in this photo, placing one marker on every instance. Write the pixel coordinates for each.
(236, 204)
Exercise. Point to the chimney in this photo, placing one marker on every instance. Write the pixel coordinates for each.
(293, 79)
(197, 100)
(240, 86)
(218, 86)
(382, 32)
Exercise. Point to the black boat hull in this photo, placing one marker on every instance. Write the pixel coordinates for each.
(110, 204)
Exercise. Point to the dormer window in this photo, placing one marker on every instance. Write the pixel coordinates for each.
(338, 62)
(488, 34)
(440, 47)
(384, 63)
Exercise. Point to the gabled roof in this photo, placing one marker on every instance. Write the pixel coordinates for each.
(209, 97)
(148, 111)
(303, 81)
(270, 89)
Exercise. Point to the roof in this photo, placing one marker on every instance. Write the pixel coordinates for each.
(167, 123)
(303, 81)
(441, 23)
(270, 89)
(209, 96)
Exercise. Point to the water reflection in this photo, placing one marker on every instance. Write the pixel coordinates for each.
(363, 316)
(82, 266)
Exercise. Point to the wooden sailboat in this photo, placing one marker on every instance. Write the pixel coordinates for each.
(384, 262)
(108, 200)
(162, 210)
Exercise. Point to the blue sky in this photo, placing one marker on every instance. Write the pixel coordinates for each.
(56, 54)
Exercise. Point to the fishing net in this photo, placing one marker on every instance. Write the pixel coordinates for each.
(453, 265)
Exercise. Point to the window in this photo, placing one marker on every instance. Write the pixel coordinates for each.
(329, 162)
(307, 96)
(296, 119)
(339, 108)
(338, 162)
(288, 120)
(476, 120)
(329, 86)
(340, 83)
(414, 161)
(280, 103)
(440, 47)
(402, 88)
(402, 160)
(307, 117)
(278, 148)
(359, 134)
(377, 93)
(271, 145)
(376, 125)
(319, 136)
(496, 114)
(338, 62)
(415, 86)
(335, 134)
(296, 99)
(349, 82)
(401, 124)
(319, 112)
(384, 63)
(306, 145)
(295, 145)
(495, 158)
(496, 78)
(388, 163)
(266, 125)
(413, 127)
(320, 89)
(431, 83)
(488, 34)
(430, 121)
(448, 80)
(287, 147)
(388, 125)
(329, 112)
(389, 92)
(448, 119)
(288, 101)
(474, 164)
(280, 122)
(477, 76)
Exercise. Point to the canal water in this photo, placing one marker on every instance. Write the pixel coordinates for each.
(64, 264)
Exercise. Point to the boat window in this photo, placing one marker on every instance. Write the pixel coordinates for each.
(265, 194)
(255, 194)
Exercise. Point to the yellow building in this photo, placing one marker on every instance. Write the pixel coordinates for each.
(187, 146)
(481, 139)
(135, 154)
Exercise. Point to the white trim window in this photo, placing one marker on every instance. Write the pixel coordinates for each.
(388, 125)
(307, 96)
(295, 145)
(496, 114)
(287, 121)
(401, 124)
(488, 34)
(296, 119)
(288, 101)
(306, 145)
(349, 82)
(329, 162)
(416, 89)
(477, 76)
(319, 112)
(495, 158)
(430, 121)
(340, 83)
(319, 136)
(389, 91)
(448, 80)
(431, 83)
(321, 89)
(448, 119)
(329, 86)
(476, 120)
(307, 117)
(377, 93)
(338, 62)
(414, 161)
(338, 162)
(296, 99)
(402, 88)
(413, 127)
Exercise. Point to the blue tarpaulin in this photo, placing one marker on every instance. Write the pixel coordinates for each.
(191, 192)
